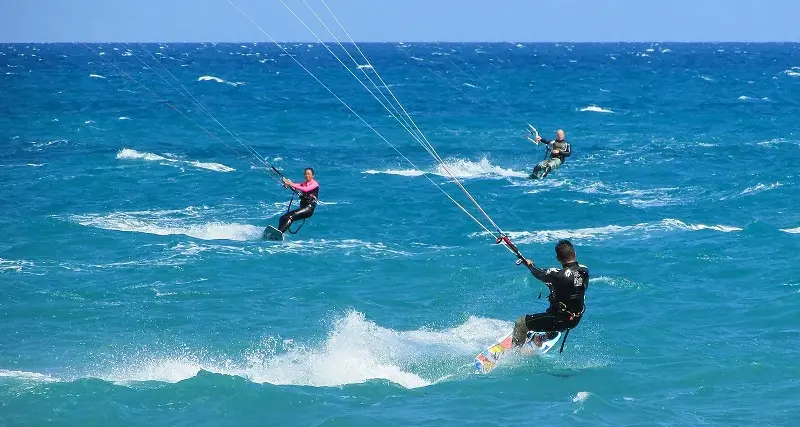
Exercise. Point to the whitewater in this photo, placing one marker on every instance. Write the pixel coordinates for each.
(137, 288)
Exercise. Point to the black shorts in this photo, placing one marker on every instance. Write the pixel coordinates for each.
(549, 322)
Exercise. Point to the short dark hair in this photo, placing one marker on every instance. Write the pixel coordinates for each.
(310, 169)
(565, 251)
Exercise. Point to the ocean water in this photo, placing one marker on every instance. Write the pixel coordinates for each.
(136, 289)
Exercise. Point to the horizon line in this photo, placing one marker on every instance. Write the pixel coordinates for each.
(315, 42)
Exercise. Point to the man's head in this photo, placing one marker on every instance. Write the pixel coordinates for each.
(560, 134)
(565, 252)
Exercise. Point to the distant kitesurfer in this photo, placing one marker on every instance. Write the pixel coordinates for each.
(309, 191)
(559, 151)
(567, 287)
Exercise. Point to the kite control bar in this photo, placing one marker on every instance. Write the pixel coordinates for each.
(532, 133)
(277, 172)
(502, 238)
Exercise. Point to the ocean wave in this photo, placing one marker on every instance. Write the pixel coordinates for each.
(39, 146)
(401, 172)
(470, 85)
(792, 72)
(124, 118)
(27, 376)
(460, 168)
(165, 224)
(129, 154)
(360, 349)
(596, 109)
(365, 67)
(758, 188)
(96, 76)
(791, 230)
(608, 231)
(218, 80)
(707, 78)
(14, 265)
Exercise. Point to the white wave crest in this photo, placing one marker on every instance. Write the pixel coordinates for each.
(460, 168)
(365, 67)
(210, 79)
(596, 109)
(218, 80)
(401, 172)
(124, 118)
(793, 72)
(606, 232)
(96, 76)
(356, 350)
(791, 230)
(13, 265)
(129, 154)
(29, 376)
(758, 188)
(218, 167)
(581, 396)
(165, 223)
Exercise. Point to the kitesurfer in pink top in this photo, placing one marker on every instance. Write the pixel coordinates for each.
(308, 191)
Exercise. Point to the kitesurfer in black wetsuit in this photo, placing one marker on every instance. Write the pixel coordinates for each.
(560, 150)
(308, 191)
(567, 287)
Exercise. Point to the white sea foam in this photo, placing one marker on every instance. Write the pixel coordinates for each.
(466, 169)
(129, 154)
(365, 67)
(596, 109)
(28, 376)
(124, 118)
(460, 168)
(159, 223)
(470, 85)
(354, 351)
(758, 188)
(14, 265)
(707, 78)
(791, 230)
(96, 76)
(608, 231)
(581, 396)
(218, 167)
(793, 72)
(210, 79)
(401, 172)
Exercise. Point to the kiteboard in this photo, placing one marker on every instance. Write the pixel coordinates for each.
(487, 360)
(272, 233)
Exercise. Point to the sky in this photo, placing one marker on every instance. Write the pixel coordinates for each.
(401, 20)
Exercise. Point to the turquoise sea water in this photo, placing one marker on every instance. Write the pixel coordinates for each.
(136, 289)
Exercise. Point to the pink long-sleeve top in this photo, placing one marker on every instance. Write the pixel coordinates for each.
(307, 187)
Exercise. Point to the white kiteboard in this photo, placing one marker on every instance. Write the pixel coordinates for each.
(272, 233)
(487, 360)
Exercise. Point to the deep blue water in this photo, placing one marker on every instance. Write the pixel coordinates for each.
(136, 289)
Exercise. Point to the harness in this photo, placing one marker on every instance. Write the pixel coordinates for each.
(288, 209)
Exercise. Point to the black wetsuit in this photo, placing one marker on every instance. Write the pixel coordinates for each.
(567, 289)
(555, 161)
(308, 202)
(563, 147)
